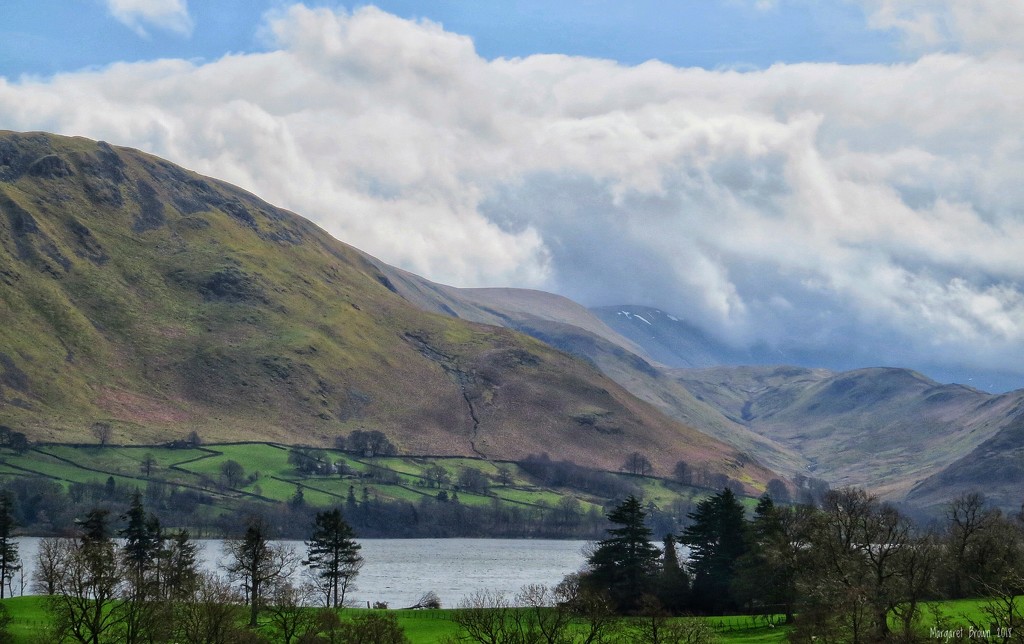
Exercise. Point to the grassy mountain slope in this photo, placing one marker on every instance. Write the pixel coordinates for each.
(140, 294)
(995, 468)
(886, 429)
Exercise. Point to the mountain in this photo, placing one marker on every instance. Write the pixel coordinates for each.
(894, 431)
(139, 294)
(568, 326)
(995, 468)
(677, 343)
(886, 429)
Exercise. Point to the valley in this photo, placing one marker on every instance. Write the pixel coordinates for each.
(158, 302)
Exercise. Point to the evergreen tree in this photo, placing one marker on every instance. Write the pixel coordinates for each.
(141, 538)
(182, 573)
(778, 542)
(333, 553)
(625, 564)
(141, 553)
(716, 539)
(10, 561)
(673, 582)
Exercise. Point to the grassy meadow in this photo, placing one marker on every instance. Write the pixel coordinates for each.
(430, 626)
(267, 477)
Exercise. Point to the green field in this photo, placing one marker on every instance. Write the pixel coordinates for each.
(430, 626)
(421, 626)
(268, 477)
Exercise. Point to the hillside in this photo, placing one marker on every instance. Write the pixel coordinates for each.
(995, 467)
(885, 429)
(568, 326)
(142, 295)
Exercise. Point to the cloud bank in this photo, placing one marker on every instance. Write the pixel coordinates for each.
(873, 211)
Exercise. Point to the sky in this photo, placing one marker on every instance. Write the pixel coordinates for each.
(837, 177)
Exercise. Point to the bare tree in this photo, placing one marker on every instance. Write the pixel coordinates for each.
(287, 612)
(210, 613)
(428, 599)
(147, 464)
(232, 473)
(637, 464)
(485, 616)
(102, 431)
(49, 561)
(257, 564)
(88, 578)
(543, 618)
(682, 473)
(970, 524)
(865, 563)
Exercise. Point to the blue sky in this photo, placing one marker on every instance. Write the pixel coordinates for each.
(839, 179)
(44, 37)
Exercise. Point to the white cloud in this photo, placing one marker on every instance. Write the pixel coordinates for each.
(171, 15)
(972, 25)
(873, 210)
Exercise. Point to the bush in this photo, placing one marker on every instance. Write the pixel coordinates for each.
(373, 628)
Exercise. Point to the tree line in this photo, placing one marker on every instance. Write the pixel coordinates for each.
(854, 569)
(144, 584)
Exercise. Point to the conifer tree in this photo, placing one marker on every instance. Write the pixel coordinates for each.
(141, 538)
(334, 556)
(182, 573)
(10, 561)
(673, 582)
(625, 564)
(717, 540)
(141, 554)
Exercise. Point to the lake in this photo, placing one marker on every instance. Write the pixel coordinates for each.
(399, 571)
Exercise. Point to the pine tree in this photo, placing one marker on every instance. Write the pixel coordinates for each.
(625, 564)
(10, 561)
(182, 572)
(140, 553)
(141, 539)
(334, 554)
(778, 543)
(673, 582)
(716, 539)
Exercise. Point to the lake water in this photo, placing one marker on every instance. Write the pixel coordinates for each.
(399, 571)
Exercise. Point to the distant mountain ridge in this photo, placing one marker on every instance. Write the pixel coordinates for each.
(669, 338)
(675, 342)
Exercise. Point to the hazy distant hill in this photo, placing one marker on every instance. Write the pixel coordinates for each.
(676, 342)
(995, 468)
(886, 429)
(140, 294)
